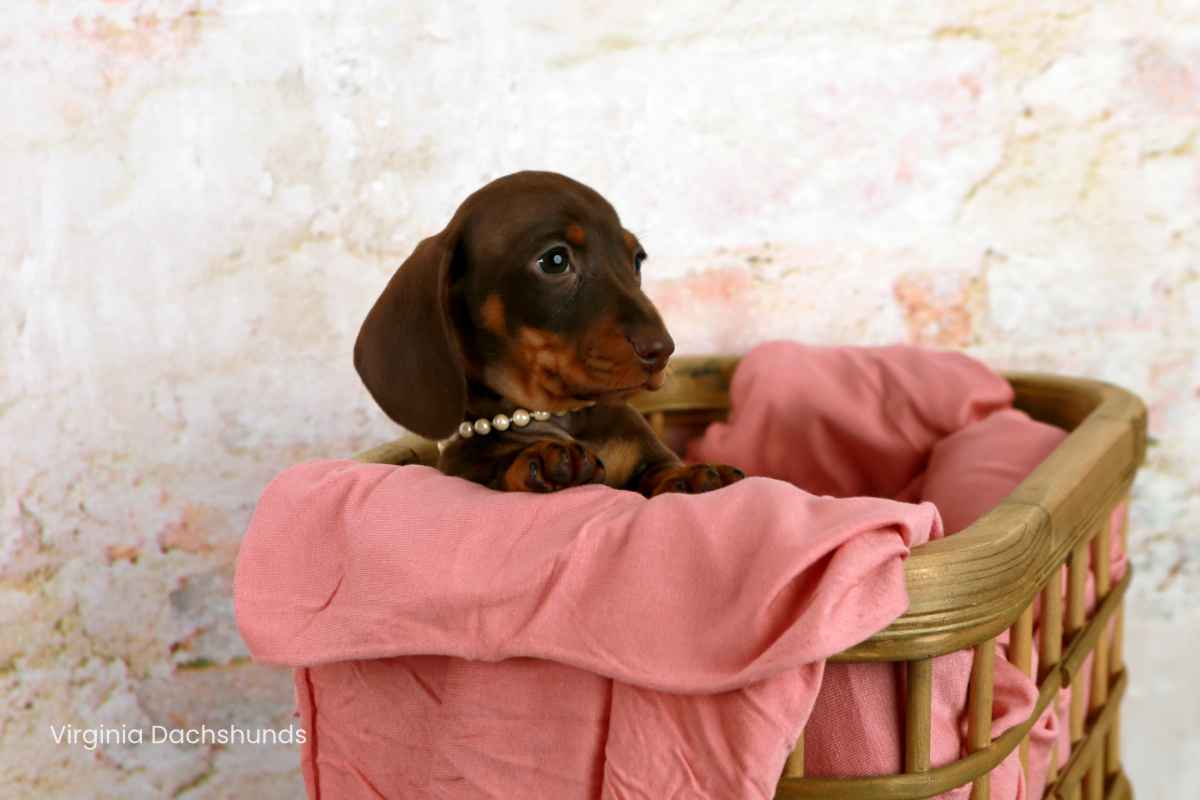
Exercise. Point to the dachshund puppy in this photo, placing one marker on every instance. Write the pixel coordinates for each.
(520, 331)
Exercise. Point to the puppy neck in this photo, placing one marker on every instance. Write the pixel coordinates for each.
(484, 402)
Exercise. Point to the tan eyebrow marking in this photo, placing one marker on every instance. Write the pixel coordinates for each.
(493, 314)
(574, 234)
(630, 241)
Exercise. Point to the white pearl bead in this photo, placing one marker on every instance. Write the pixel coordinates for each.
(562, 413)
(482, 426)
(500, 422)
(540, 416)
(466, 430)
(442, 445)
(520, 418)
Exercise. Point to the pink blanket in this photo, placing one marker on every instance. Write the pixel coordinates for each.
(451, 642)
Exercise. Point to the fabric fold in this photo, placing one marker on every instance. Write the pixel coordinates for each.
(685, 594)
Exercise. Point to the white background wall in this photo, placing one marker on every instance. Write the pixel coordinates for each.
(200, 199)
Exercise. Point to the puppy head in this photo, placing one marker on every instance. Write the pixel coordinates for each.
(533, 290)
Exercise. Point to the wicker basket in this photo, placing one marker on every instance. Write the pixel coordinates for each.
(968, 588)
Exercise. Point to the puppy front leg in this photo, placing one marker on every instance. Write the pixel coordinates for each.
(691, 479)
(638, 461)
(664, 473)
(549, 466)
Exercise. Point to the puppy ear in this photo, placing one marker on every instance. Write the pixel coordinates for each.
(406, 353)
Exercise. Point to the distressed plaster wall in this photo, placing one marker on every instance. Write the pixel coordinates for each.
(199, 200)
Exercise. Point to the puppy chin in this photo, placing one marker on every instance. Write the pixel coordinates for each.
(551, 393)
(619, 397)
(533, 395)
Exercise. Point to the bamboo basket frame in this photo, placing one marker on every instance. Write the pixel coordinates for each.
(966, 589)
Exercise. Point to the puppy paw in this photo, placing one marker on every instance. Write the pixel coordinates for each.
(550, 466)
(692, 479)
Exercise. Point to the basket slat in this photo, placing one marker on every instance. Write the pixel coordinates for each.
(1084, 641)
(1116, 665)
(917, 715)
(1081, 757)
(1050, 648)
(1102, 569)
(917, 786)
(1076, 610)
(979, 710)
(1020, 654)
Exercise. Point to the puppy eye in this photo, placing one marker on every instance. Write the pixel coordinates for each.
(637, 262)
(556, 262)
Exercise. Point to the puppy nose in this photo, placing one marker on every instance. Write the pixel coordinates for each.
(653, 348)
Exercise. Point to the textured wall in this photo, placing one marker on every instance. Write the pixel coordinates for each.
(199, 201)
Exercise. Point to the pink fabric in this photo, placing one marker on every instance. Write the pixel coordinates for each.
(848, 421)
(942, 431)
(693, 628)
(975, 468)
(453, 642)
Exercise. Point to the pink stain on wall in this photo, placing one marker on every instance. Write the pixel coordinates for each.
(714, 310)
(116, 553)
(201, 528)
(972, 84)
(742, 194)
(1169, 84)
(937, 314)
(956, 99)
(1165, 396)
(146, 39)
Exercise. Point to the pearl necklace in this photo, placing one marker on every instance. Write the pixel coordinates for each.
(483, 426)
(501, 422)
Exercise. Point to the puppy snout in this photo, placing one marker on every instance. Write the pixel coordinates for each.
(653, 348)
